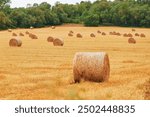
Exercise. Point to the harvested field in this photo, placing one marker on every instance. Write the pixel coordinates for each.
(39, 70)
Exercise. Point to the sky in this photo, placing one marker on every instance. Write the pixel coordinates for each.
(23, 3)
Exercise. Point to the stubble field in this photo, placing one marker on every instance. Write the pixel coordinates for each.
(38, 70)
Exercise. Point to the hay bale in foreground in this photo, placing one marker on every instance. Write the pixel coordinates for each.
(79, 35)
(9, 30)
(131, 41)
(91, 66)
(15, 42)
(33, 36)
(92, 35)
(21, 34)
(14, 34)
(50, 39)
(142, 35)
(58, 42)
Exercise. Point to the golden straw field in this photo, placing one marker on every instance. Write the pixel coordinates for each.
(39, 70)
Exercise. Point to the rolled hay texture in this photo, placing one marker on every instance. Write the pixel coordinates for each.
(91, 66)
(79, 35)
(70, 34)
(50, 39)
(32, 36)
(92, 35)
(136, 34)
(9, 30)
(53, 27)
(27, 33)
(133, 30)
(142, 35)
(14, 34)
(15, 42)
(130, 35)
(125, 35)
(131, 41)
(58, 42)
(21, 34)
(103, 33)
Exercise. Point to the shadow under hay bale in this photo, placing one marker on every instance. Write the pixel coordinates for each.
(92, 35)
(50, 39)
(79, 35)
(142, 35)
(131, 41)
(21, 34)
(14, 34)
(58, 42)
(15, 42)
(91, 66)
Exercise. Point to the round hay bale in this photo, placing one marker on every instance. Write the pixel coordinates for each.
(53, 27)
(133, 30)
(125, 35)
(92, 35)
(103, 33)
(14, 34)
(142, 35)
(98, 31)
(71, 31)
(70, 34)
(32, 36)
(111, 33)
(130, 35)
(91, 66)
(9, 30)
(131, 41)
(58, 42)
(50, 39)
(27, 33)
(79, 35)
(118, 34)
(15, 42)
(136, 34)
(21, 34)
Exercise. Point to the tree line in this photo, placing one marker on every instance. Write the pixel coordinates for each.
(135, 13)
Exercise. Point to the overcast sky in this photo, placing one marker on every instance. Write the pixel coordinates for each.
(23, 3)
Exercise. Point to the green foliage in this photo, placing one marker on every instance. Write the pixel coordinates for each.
(101, 12)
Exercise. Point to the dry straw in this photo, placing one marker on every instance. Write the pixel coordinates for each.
(131, 41)
(70, 34)
(98, 31)
(79, 35)
(136, 34)
(53, 27)
(92, 35)
(91, 66)
(130, 35)
(50, 39)
(14, 34)
(133, 30)
(15, 42)
(27, 33)
(103, 33)
(58, 42)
